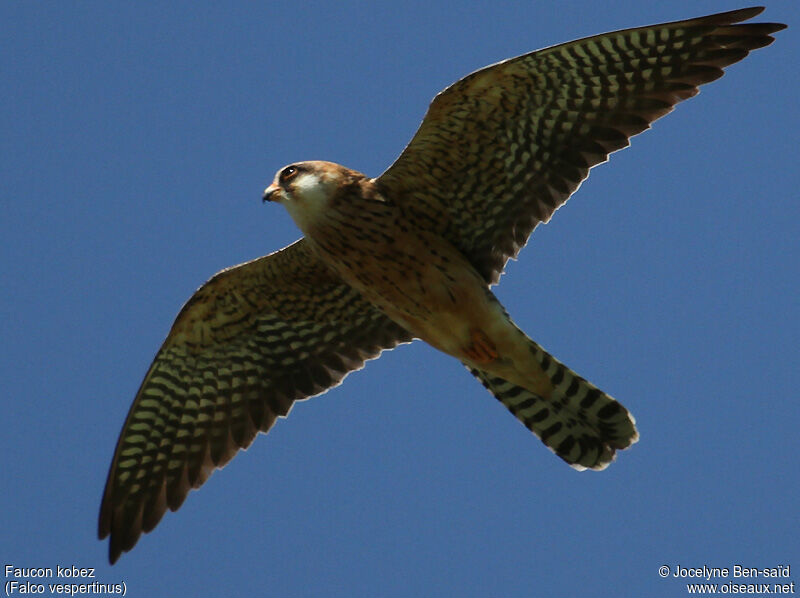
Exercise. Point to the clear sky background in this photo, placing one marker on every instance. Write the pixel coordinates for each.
(136, 141)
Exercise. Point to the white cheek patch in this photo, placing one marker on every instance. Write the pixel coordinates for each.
(309, 189)
(308, 200)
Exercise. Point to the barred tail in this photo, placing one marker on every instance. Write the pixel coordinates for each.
(578, 422)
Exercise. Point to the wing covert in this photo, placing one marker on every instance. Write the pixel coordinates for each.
(500, 150)
(247, 344)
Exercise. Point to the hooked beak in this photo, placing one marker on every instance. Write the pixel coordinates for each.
(271, 193)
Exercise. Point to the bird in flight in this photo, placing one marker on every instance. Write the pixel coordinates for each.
(412, 254)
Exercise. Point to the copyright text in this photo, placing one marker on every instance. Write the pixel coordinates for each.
(735, 579)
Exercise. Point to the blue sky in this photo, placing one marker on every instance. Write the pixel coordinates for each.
(136, 143)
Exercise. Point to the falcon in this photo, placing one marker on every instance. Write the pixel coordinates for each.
(412, 254)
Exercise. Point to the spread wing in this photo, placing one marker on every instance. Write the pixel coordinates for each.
(249, 342)
(500, 150)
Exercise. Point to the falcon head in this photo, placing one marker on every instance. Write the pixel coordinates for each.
(308, 189)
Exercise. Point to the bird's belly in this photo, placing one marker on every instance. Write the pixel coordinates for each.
(428, 287)
(423, 283)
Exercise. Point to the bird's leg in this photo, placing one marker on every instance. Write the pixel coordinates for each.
(481, 350)
(499, 347)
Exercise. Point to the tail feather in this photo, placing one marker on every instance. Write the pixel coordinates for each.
(578, 422)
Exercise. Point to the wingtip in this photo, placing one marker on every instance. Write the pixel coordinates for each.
(732, 17)
(740, 14)
(750, 11)
(103, 521)
(113, 554)
(743, 14)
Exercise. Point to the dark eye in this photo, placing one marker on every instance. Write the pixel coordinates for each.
(288, 173)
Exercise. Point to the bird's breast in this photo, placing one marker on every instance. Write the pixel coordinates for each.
(416, 277)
